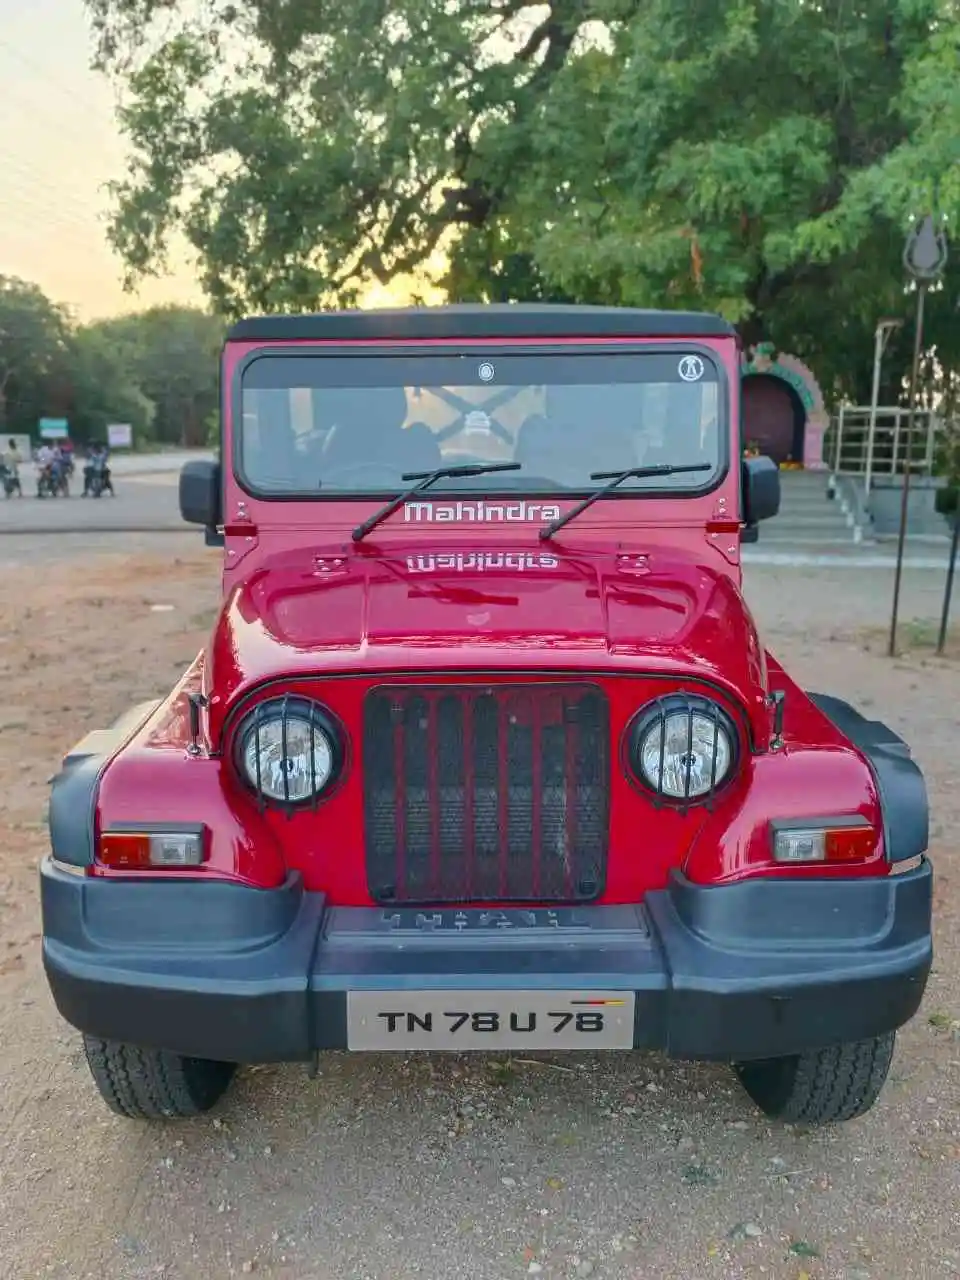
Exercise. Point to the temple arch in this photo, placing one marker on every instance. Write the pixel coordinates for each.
(782, 407)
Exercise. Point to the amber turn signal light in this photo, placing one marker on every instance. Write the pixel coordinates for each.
(140, 850)
(844, 842)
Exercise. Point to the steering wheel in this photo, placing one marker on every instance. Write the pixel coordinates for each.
(387, 475)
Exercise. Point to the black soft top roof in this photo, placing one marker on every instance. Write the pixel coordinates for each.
(499, 320)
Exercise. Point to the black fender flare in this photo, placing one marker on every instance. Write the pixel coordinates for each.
(73, 791)
(900, 783)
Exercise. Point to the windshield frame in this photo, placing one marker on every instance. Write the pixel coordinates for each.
(482, 349)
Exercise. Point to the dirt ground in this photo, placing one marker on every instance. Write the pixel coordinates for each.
(621, 1167)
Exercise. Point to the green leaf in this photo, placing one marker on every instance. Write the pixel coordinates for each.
(801, 1249)
(670, 154)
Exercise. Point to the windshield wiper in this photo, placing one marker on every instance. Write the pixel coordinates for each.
(615, 479)
(424, 480)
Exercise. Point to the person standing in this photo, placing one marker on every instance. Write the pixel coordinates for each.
(12, 462)
(98, 462)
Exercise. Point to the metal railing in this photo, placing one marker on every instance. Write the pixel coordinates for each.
(856, 446)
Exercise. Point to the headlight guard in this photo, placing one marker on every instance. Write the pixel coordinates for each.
(289, 751)
(682, 748)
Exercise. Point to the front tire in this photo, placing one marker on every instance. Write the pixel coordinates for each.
(154, 1084)
(824, 1086)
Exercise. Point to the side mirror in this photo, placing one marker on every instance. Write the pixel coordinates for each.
(760, 481)
(200, 496)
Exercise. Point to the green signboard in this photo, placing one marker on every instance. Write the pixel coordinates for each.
(54, 429)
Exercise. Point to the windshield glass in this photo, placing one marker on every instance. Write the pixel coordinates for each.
(335, 425)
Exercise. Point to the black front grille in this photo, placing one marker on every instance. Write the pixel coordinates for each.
(474, 793)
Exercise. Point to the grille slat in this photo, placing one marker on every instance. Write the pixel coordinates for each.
(469, 794)
(536, 771)
(504, 798)
(474, 793)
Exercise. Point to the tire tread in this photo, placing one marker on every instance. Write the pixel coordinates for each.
(823, 1086)
(154, 1084)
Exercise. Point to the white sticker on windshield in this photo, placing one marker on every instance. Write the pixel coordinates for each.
(690, 369)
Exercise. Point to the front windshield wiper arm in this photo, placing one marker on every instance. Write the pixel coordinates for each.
(615, 479)
(424, 480)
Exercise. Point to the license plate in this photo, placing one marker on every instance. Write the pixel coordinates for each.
(491, 1020)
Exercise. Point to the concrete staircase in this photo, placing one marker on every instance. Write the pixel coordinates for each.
(880, 516)
(808, 516)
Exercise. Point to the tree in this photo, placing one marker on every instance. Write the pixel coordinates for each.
(157, 370)
(104, 386)
(171, 355)
(757, 157)
(34, 352)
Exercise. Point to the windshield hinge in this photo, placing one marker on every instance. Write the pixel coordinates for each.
(724, 538)
(240, 522)
(239, 542)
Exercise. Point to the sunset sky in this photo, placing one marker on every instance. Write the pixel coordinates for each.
(59, 147)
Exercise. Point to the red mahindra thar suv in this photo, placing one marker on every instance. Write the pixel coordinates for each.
(484, 751)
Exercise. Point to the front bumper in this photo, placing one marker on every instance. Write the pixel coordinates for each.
(760, 969)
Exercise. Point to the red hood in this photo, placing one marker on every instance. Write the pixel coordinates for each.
(665, 612)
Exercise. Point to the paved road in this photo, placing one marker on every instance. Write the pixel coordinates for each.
(142, 464)
(142, 502)
(146, 488)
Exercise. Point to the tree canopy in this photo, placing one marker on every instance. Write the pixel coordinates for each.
(756, 157)
(172, 356)
(34, 351)
(104, 387)
(156, 370)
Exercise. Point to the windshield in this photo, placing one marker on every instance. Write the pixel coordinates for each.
(354, 425)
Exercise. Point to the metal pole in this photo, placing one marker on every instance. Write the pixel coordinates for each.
(948, 591)
(905, 497)
(874, 396)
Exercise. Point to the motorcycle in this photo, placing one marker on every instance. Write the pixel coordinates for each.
(97, 479)
(52, 482)
(10, 481)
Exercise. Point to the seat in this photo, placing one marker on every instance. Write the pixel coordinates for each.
(268, 445)
(535, 448)
(375, 436)
(681, 444)
(584, 429)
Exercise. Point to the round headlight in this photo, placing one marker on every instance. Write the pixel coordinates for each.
(288, 750)
(683, 748)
